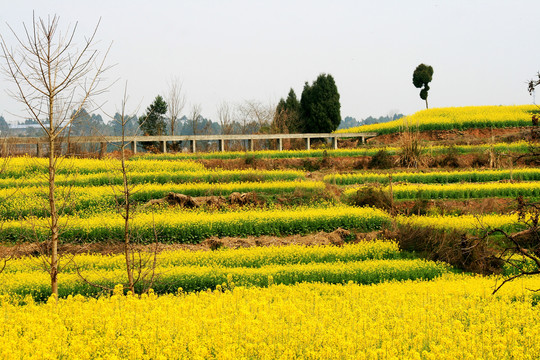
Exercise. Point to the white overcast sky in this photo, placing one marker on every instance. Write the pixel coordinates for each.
(482, 52)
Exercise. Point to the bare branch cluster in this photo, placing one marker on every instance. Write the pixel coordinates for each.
(176, 101)
(253, 112)
(48, 65)
(523, 251)
(54, 79)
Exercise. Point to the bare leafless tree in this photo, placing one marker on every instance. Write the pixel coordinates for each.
(255, 115)
(136, 268)
(176, 101)
(126, 192)
(522, 253)
(6, 254)
(225, 116)
(140, 264)
(54, 78)
(195, 118)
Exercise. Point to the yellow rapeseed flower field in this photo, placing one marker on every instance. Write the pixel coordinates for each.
(455, 118)
(518, 146)
(438, 176)
(184, 226)
(25, 166)
(454, 317)
(462, 222)
(460, 190)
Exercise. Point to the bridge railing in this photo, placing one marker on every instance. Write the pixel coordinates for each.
(222, 140)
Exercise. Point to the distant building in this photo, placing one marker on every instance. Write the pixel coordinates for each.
(25, 129)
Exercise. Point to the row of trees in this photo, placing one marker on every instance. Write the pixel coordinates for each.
(318, 110)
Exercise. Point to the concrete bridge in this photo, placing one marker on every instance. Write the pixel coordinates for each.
(41, 142)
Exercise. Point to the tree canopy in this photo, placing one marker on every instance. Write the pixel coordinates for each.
(319, 106)
(4, 126)
(153, 122)
(421, 78)
(287, 115)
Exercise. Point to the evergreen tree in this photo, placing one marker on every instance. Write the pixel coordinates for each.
(292, 105)
(130, 127)
(421, 78)
(287, 115)
(4, 126)
(153, 122)
(319, 106)
(84, 124)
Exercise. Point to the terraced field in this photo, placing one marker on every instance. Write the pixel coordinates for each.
(362, 299)
(456, 118)
(364, 263)
(515, 147)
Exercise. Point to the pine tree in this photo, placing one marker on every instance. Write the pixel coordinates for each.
(287, 115)
(319, 106)
(153, 122)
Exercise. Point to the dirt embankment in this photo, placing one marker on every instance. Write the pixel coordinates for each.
(337, 238)
(459, 207)
(459, 137)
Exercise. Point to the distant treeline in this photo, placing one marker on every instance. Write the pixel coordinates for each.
(93, 125)
(350, 122)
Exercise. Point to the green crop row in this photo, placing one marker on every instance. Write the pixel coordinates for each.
(516, 147)
(242, 257)
(460, 191)
(440, 177)
(196, 278)
(466, 223)
(156, 177)
(91, 200)
(25, 166)
(467, 191)
(180, 226)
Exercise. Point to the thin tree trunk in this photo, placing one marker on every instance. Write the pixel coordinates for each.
(427, 104)
(54, 215)
(127, 234)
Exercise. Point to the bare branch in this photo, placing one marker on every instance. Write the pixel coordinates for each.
(50, 72)
(176, 100)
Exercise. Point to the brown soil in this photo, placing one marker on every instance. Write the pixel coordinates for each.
(316, 170)
(315, 164)
(470, 206)
(459, 137)
(337, 237)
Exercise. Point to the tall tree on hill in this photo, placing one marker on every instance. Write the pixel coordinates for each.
(421, 78)
(535, 131)
(153, 122)
(319, 106)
